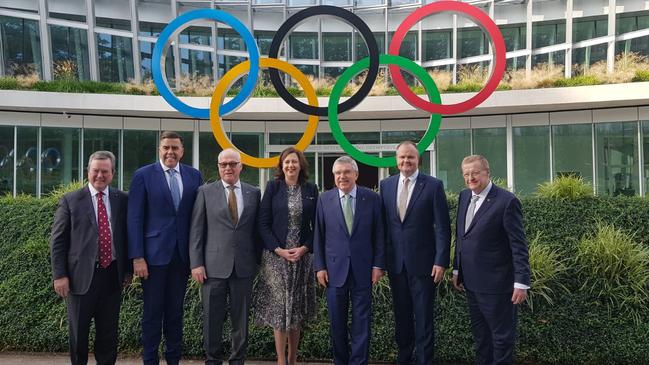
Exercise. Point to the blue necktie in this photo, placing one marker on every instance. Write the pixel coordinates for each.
(175, 189)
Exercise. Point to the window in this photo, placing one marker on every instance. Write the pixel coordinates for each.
(142, 147)
(337, 46)
(27, 160)
(69, 53)
(6, 160)
(617, 156)
(115, 56)
(303, 45)
(101, 140)
(531, 158)
(572, 150)
(146, 55)
(492, 144)
(59, 157)
(452, 146)
(20, 43)
(437, 45)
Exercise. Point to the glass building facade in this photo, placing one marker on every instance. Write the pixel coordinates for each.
(606, 147)
(112, 40)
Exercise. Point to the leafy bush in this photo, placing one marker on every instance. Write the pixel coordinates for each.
(8, 83)
(568, 331)
(641, 75)
(615, 268)
(565, 187)
(546, 268)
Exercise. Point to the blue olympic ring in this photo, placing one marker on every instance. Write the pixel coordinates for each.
(217, 15)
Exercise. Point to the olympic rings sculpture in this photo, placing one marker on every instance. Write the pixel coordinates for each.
(396, 64)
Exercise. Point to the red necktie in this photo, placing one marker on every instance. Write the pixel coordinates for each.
(105, 254)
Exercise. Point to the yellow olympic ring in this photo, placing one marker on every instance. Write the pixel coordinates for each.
(230, 77)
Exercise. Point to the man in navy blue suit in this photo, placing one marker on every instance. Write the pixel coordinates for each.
(418, 238)
(491, 261)
(160, 206)
(349, 257)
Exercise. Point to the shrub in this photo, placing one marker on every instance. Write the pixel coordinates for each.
(613, 267)
(582, 80)
(8, 83)
(565, 187)
(641, 75)
(546, 268)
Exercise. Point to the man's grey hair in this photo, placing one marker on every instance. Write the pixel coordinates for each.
(347, 160)
(476, 158)
(102, 155)
(229, 151)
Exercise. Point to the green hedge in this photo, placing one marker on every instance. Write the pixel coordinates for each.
(576, 328)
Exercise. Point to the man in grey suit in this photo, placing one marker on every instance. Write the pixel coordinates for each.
(224, 250)
(89, 260)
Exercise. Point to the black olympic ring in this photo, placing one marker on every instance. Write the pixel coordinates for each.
(350, 18)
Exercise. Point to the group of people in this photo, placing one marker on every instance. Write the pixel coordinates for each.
(225, 233)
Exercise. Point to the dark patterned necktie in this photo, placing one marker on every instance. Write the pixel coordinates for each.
(232, 205)
(105, 250)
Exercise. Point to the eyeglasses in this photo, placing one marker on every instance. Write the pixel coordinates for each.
(228, 164)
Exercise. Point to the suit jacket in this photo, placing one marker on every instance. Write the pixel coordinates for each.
(423, 239)
(154, 226)
(215, 242)
(273, 214)
(74, 241)
(492, 255)
(336, 251)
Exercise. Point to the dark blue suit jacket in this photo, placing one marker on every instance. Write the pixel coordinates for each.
(336, 251)
(273, 214)
(154, 227)
(423, 239)
(492, 255)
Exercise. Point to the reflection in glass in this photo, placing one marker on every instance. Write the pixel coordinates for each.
(146, 55)
(101, 140)
(115, 58)
(548, 34)
(264, 38)
(353, 137)
(572, 150)
(59, 157)
(142, 150)
(20, 43)
(229, 39)
(629, 23)
(409, 48)
(69, 53)
(437, 44)
(452, 146)
(195, 63)
(27, 160)
(531, 158)
(303, 45)
(584, 29)
(492, 144)
(471, 42)
(361, 47)
(337, 46)
(645, 145)
(209, 152)
(617, 156)
(6, 160)
(196, 35)
(252, 144)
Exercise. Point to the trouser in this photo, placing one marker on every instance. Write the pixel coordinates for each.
(101, 302)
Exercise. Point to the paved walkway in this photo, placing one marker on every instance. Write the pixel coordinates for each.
(22, 358)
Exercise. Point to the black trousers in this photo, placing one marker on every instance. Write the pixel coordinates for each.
(493, 323)
(101, 302)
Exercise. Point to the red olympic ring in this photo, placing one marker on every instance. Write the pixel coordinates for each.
(484, 22)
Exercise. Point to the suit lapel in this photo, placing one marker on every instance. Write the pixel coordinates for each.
(360, 206)
(392, 191)
(86, 200)
(484, 207)
(184, 176)
(419, 186)
(247, 203)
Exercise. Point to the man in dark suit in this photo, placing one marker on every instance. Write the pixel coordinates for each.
(491, 261)
(418, 250)
(89, 260)
(224, 250)
(349, 255)
(159, 209)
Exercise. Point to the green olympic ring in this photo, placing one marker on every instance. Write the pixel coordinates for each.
(353, 70)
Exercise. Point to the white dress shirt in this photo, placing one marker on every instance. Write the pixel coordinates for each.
(411, 186)
(483, 196)
(106, 199)
(179, 178)
(237, 193)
